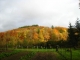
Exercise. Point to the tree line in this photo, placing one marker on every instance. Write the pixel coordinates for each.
(40, 36)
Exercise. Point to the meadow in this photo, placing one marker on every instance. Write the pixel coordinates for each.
(70, 55)
(40, 54)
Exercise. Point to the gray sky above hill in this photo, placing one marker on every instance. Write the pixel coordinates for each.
(17, 13)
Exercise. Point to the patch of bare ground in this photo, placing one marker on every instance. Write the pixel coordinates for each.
(5, 51)
(45, 56)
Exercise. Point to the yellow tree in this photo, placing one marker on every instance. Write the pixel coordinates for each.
(41, 37)
(46, 34)
(54, 34)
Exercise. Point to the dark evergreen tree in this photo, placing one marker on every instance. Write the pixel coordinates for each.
(77, 31)
(74, 34)
(71, 36)
(52, 26)
(77, 25)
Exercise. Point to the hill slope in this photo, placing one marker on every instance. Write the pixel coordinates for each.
(32, 35)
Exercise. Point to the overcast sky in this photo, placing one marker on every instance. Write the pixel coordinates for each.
(16, 13)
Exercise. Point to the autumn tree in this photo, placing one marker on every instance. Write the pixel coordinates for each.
(2, 39)
(41, 37)
(54, 34)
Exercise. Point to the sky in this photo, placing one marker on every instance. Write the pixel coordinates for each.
(17, 13)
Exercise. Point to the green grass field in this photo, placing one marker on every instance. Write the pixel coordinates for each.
(43, 54)
(74, 54)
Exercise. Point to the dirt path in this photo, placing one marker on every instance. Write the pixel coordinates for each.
(45, 56)
(16, 56)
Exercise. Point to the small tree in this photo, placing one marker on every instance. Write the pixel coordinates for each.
(52, 26)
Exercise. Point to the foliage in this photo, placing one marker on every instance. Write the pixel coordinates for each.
(28, 26)
(32, 35)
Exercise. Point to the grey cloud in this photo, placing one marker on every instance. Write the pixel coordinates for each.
(16, 13)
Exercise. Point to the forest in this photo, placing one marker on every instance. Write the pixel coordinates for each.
(41, 36)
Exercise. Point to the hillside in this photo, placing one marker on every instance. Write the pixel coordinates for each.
(34, 34)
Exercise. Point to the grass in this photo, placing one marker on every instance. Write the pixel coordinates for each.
(67, 54)
(32, 53)
(42, 53)
(27, 55)
(76, 55)
(6, 54)
(35, 50)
